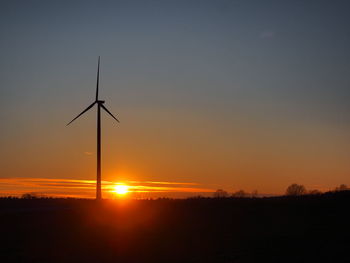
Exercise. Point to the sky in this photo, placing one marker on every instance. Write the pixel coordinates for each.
(250, 95)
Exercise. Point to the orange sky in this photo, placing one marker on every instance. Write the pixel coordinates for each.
(86, 188)
(180, 146)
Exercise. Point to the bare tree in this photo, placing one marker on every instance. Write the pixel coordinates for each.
(255, 193)
(342, 187)
(239, 194)
(29, 196)
(295, 189)
(315, 192)
(220, 193)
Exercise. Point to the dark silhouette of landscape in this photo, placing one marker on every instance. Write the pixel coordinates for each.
(308, 228)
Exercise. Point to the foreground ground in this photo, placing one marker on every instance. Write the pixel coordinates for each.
(304, 229)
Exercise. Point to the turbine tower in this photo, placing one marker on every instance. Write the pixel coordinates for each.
(99, 106)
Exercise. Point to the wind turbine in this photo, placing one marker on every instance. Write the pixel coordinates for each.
(99, 106)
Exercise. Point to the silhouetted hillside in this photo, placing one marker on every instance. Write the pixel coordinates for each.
(279, 229)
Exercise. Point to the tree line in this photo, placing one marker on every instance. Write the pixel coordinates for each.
(292, 190)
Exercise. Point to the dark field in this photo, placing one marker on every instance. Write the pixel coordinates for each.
(304, 229)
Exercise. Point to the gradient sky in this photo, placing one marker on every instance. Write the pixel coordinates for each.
(227, 94)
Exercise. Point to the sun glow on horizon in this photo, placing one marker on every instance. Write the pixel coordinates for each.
(121, 189)
(81, 188)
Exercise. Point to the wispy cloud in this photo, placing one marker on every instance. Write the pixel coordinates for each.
(86, 188)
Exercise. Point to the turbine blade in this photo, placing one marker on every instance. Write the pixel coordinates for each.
(98, 77)
(88, 108)
(109, 112)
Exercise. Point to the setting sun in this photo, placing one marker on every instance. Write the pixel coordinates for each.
(121, 189)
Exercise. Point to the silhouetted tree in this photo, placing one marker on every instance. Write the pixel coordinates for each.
(29, 196)
(315, 192)
(239, 194)
(342, 187)
(295, 189)
(195, 197)
(220, 193)
(255, 193)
